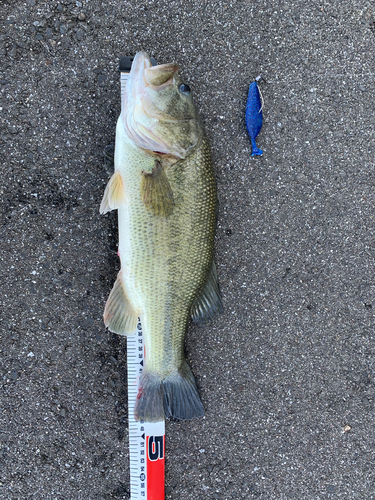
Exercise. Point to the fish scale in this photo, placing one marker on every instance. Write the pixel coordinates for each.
(178, 265)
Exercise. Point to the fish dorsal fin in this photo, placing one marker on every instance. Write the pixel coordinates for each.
(114, 194)
(119, 314)
(208, 304)
(156, 191)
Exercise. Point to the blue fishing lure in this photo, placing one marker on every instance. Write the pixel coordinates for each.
(254, 116)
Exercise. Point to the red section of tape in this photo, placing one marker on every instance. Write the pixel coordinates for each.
(155, 467)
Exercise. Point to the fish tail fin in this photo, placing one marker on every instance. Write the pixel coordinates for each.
(175, 396)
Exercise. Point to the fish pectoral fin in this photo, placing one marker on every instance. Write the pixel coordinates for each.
(119, 314)
(156, 191)
(208, 304)
(114, 194)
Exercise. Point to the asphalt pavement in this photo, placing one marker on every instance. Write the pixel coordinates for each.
(287, 372)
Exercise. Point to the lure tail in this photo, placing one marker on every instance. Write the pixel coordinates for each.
(255, 151)
(175, 396)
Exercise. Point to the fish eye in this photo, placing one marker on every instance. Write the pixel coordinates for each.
(184, 89)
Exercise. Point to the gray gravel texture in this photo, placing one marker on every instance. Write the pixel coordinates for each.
(287, 373)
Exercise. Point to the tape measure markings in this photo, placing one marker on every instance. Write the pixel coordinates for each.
(146, 439)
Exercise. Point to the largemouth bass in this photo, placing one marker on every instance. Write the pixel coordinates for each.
(164, 189)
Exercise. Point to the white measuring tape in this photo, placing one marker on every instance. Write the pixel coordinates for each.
(146, 439)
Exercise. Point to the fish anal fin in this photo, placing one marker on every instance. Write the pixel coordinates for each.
(208, 304)
(156, 191)
(119, 314)
(114, 194)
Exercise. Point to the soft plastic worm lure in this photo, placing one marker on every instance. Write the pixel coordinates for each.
(254, 116)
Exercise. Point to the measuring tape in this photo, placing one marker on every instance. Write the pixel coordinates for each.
(146, 439)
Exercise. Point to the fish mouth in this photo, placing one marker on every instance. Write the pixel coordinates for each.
(145, 122)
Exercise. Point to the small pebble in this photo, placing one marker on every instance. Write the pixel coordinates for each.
(301, 177)
(101, 79)
(81, 16)
(87, 322)
(347, 428)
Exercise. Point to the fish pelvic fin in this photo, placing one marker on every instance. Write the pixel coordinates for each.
(208, 304)
(156, 191)
(114, 194)
(175, 396)
(119, 314)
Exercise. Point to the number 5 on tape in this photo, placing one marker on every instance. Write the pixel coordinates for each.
(146, 439)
